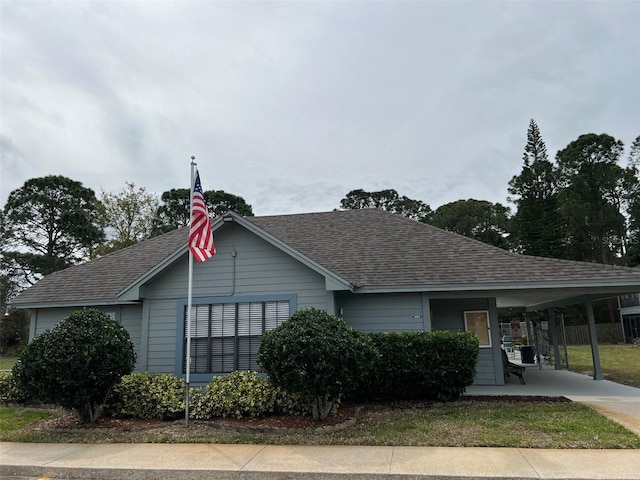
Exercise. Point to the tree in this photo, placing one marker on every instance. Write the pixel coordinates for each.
(316, 355)
(632, 188)
(9, 280)
(537, 224)
(48, 224)
(634, 153)
(128, 216)
(14, 331)
(173, 211)
(479, 219)
(591, 197)
(219, 202)
(76, 363)
(388, 200)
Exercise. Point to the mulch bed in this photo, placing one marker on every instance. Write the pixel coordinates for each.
(346, 415)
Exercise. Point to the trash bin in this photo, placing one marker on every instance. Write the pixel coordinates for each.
(527, 354)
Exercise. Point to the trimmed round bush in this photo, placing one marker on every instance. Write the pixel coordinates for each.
(317, 356)
(76, 363)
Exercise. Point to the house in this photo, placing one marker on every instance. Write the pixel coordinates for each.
(379, 271)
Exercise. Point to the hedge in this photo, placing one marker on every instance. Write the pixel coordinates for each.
(421, 365)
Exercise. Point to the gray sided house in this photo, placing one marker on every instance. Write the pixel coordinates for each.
(378, 271)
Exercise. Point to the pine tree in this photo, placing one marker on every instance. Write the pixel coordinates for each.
(632, 187)
(537, 225)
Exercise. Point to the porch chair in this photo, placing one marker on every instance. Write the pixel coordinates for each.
(510, 367)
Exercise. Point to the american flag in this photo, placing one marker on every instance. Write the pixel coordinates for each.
(200, 234)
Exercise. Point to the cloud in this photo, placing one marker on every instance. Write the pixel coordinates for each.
(293, 104)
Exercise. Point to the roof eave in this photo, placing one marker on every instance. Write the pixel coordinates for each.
(626, 286)
(531, 296)
(70, 303)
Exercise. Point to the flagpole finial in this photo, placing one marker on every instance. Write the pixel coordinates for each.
(193, 159)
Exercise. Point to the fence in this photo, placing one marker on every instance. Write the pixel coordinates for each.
(607, 333)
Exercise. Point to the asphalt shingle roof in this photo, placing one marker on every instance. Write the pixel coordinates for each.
(370, 247)
(104, 277)
(366, 247)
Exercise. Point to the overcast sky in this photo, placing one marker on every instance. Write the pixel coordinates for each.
(293, 104)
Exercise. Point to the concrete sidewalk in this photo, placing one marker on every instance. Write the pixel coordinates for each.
(252, 462)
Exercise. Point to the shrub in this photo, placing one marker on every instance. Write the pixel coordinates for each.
(317, 356)
(147, 395)
(77, 362)
(389, 377)
(454, 357)
(199, 409)
(243, 394)
(240, 394)
(9, 391)
(291, 403)
(421, 365)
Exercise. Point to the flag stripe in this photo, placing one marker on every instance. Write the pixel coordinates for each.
(200, 235)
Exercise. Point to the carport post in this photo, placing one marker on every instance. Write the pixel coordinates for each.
(593, 333)
(553, 330)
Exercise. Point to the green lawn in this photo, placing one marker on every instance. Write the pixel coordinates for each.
(15, 419)
(7, 362)
(620, 363)
(466, 423)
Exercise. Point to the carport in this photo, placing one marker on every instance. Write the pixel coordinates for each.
(549, 297)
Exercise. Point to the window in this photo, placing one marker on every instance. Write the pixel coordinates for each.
(225, 336)
(478, 323)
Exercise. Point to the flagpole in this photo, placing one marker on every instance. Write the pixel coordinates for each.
(189, 299)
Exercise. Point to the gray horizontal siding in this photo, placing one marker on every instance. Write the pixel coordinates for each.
(485, 369)
(382, 312)
(131, 319)
(45, 319)
(449, 314)
(260, 269)
(161, 348)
